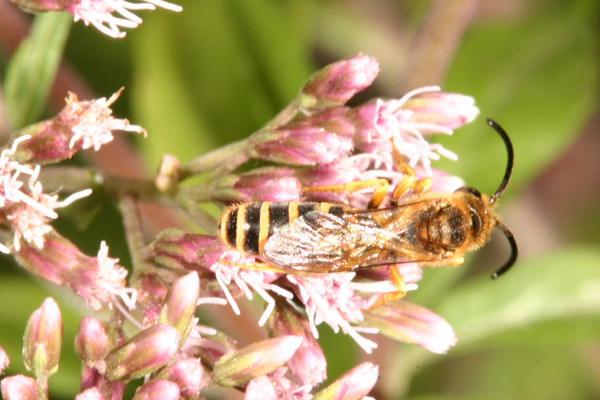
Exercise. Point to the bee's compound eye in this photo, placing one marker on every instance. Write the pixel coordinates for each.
(475, 222)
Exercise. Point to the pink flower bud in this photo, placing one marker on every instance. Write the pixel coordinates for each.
(180, 304)
(261, 184)
(239, 367)
(353, 385)
(142, 354)
(300, 145)
(188, 375)
(90, 394)
(308, 363)
(451, 110)
(412, 323)
(91, 341)
(19, 387)
(337, 119)
(276, 386)
(80, 125)
(4, 360)
(43, 340)
(337, 83)
(179, 250)
(168, 174)
(157, 389)
(152, 291)
(96, 279)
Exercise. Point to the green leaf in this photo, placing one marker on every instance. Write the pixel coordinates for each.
(537, 77)
(33, 67)
(564, 284)
(216, 72)
(559, 289)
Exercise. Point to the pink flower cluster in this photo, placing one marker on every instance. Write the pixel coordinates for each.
(322, 142)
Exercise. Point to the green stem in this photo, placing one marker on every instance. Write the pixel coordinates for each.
(41, 384)
(228, 157)
(284, 116)
(133, 232)
(74, 179)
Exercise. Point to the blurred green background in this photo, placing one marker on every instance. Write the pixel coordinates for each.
(222, 68)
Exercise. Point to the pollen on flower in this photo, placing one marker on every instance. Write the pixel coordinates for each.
(330, 298)
(27, 208)
(92, 122)
(227, 271)
(401, 124)
(101, 13)
(111, 278)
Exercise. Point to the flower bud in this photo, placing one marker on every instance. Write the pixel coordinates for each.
(451, 110)
(157, 389)
(90, 394)
(80, 125)
(91, 341)
(299, 145)
(43, 340)
(188, 375)
(19, 387)
(260, 184)
(337, 83)
(308, 363)
(412, 323)
(239, 367)
(168, 174)
(354, 384)
(180, 304)
(4, 360)
(96, 279)
(142, 354)
(179, 250)
(338, 120)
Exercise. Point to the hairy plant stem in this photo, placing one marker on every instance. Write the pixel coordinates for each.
(224, 160)
(133, 232)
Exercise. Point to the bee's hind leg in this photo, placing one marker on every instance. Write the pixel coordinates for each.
(381, 189)
(399, 283)
(255, 266)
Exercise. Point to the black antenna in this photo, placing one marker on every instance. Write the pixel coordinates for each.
(513, 247)
(511, 158)
(507, 232)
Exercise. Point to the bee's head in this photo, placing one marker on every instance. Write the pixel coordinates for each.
(482, 219)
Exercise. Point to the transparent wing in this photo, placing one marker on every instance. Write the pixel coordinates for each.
(323, 242)
(311, 243)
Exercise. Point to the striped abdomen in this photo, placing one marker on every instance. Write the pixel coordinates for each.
(246, 227)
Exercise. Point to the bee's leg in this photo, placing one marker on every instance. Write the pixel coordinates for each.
(256, 266)
(409, 181)
(398, 282)
(381, 189)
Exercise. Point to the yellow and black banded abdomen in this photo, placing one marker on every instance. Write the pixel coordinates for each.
(246, 227)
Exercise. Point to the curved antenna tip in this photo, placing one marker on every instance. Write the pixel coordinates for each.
(513, 247)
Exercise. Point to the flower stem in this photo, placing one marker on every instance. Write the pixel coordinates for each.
(434, 45)
(133, 231)
(226, 159)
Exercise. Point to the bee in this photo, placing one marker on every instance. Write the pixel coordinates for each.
(433, 229)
